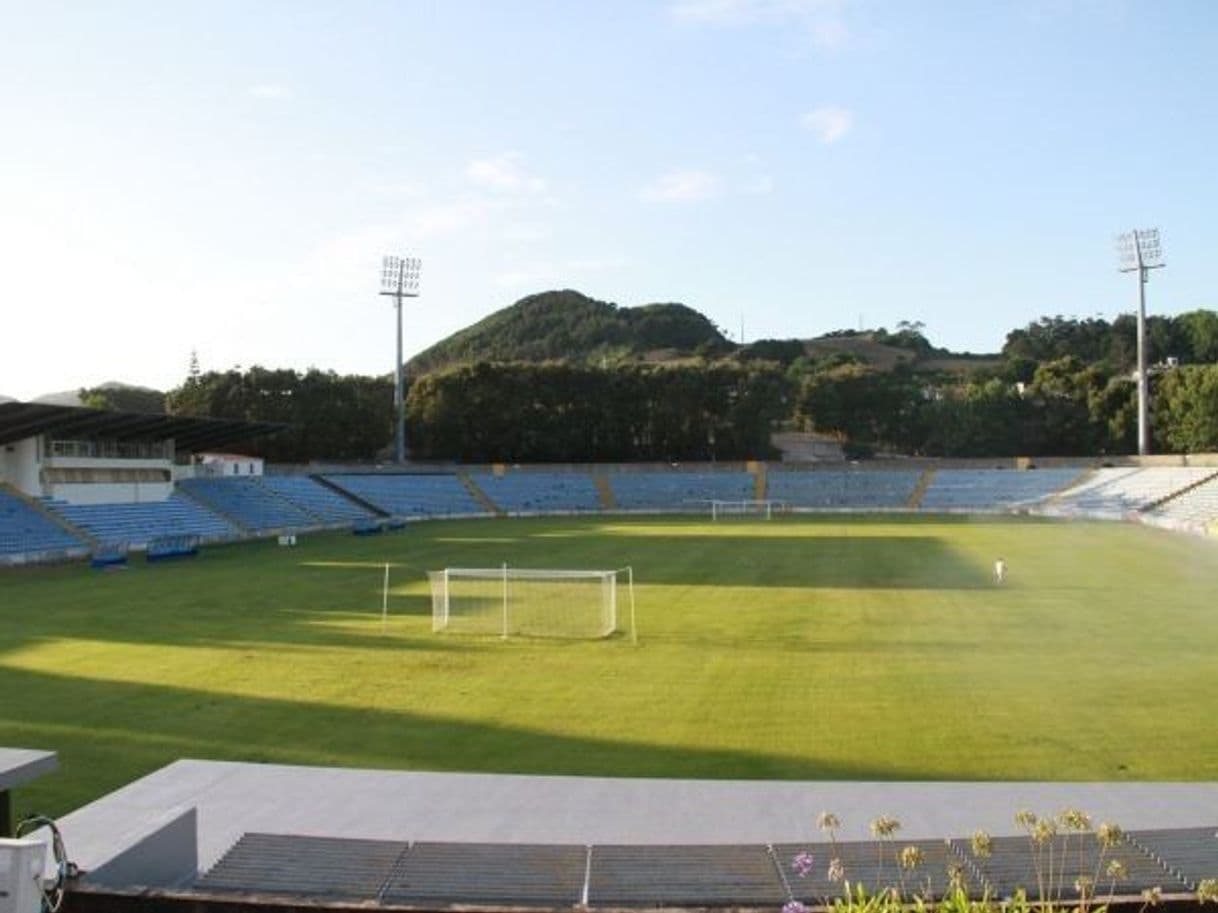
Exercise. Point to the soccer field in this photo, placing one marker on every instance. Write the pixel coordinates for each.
(820, 647)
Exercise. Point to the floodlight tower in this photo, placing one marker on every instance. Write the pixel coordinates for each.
(1141, 251)
(400, 279)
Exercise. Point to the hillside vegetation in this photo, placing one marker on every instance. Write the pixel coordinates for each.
(559, 376)
(569, 326)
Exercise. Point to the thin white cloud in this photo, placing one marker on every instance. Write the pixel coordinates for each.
(517, 278)
(398, 189)
(829, 124)
(503, 173)
(526, 232)
(758, 186)
(822, 19)
(595, 264)
(682, 187)
(270, 91)
(448, 218)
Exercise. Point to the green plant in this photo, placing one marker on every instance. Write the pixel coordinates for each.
(1053, 842)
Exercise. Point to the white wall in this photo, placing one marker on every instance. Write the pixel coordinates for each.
(110, 492)
(230, 465)
(19, 466)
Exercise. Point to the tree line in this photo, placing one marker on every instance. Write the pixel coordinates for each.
(1059, 387)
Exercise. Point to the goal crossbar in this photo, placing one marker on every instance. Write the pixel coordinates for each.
(530, 602)
(746, 508)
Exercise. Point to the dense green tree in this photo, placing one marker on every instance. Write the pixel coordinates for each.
(123, 398)
(988, 418)
(327, 416)
(566, 325)
(528, 412)
(1200, 329)
(1186, 409)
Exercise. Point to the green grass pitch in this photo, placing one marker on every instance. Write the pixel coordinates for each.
(819, 647)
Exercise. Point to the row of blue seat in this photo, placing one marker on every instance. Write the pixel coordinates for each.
(137, 524)
(411, 495)
(23, 530)
(250, 503)
(294, 502)
(540, 492)
(843, 489)
(324, 503)
(987, 489)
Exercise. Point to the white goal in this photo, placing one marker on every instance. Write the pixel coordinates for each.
(530, 602)
(724, 509)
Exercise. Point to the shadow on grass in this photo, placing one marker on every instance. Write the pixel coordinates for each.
(814, 562)
(327, 592)
(109, 733)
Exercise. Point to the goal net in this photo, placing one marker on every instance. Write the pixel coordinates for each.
(524, 602)
(724, 509)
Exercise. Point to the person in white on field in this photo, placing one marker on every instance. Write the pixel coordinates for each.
(1000, 571)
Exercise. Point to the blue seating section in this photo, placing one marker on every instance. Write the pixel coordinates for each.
(990, 489)
(540, 492)
(843, 488)
(137, 524)
(324, 503)
(24, 530)
(1113, 492)
(422, 495)
(678, 490)
(249, 503)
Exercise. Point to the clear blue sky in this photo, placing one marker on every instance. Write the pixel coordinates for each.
(225, 176)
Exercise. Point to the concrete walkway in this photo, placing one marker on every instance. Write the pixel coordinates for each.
(232, 799)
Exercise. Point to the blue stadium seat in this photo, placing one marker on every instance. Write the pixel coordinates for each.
(993, 489)
(843, 489)
(1115, 492)
(137, 524)
(250, 503)
(317, 499)
(411, 494)
(24, 530)
(677, 490)
(540, 492)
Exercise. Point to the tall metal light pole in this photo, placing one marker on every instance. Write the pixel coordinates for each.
(1141, 251)
(400, 279)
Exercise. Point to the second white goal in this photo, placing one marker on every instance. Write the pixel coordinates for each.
(724, 509)
(531, 602)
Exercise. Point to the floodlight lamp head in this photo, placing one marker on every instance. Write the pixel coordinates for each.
(400, 275)
(1140, 249)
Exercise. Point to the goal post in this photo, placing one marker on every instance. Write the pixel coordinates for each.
(766, 509)
(531, 602)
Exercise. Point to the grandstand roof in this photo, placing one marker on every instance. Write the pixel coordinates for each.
(22, 420)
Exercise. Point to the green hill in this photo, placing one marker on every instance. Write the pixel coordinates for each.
(567, 325)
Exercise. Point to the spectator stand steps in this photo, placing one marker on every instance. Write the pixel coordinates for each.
(919, 492)
(374, 509)
(478, 494)
(1191, 486)
(27, 532)
(604, 492)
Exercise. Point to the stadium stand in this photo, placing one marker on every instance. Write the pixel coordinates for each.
(993, 489)
(249, 503)
(843, 488)
(138, 524)
(406, 495)
(678, 490)
(23, 530)
(1117, 492)
(539, 492)
(1197, 507)
(322, 502)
